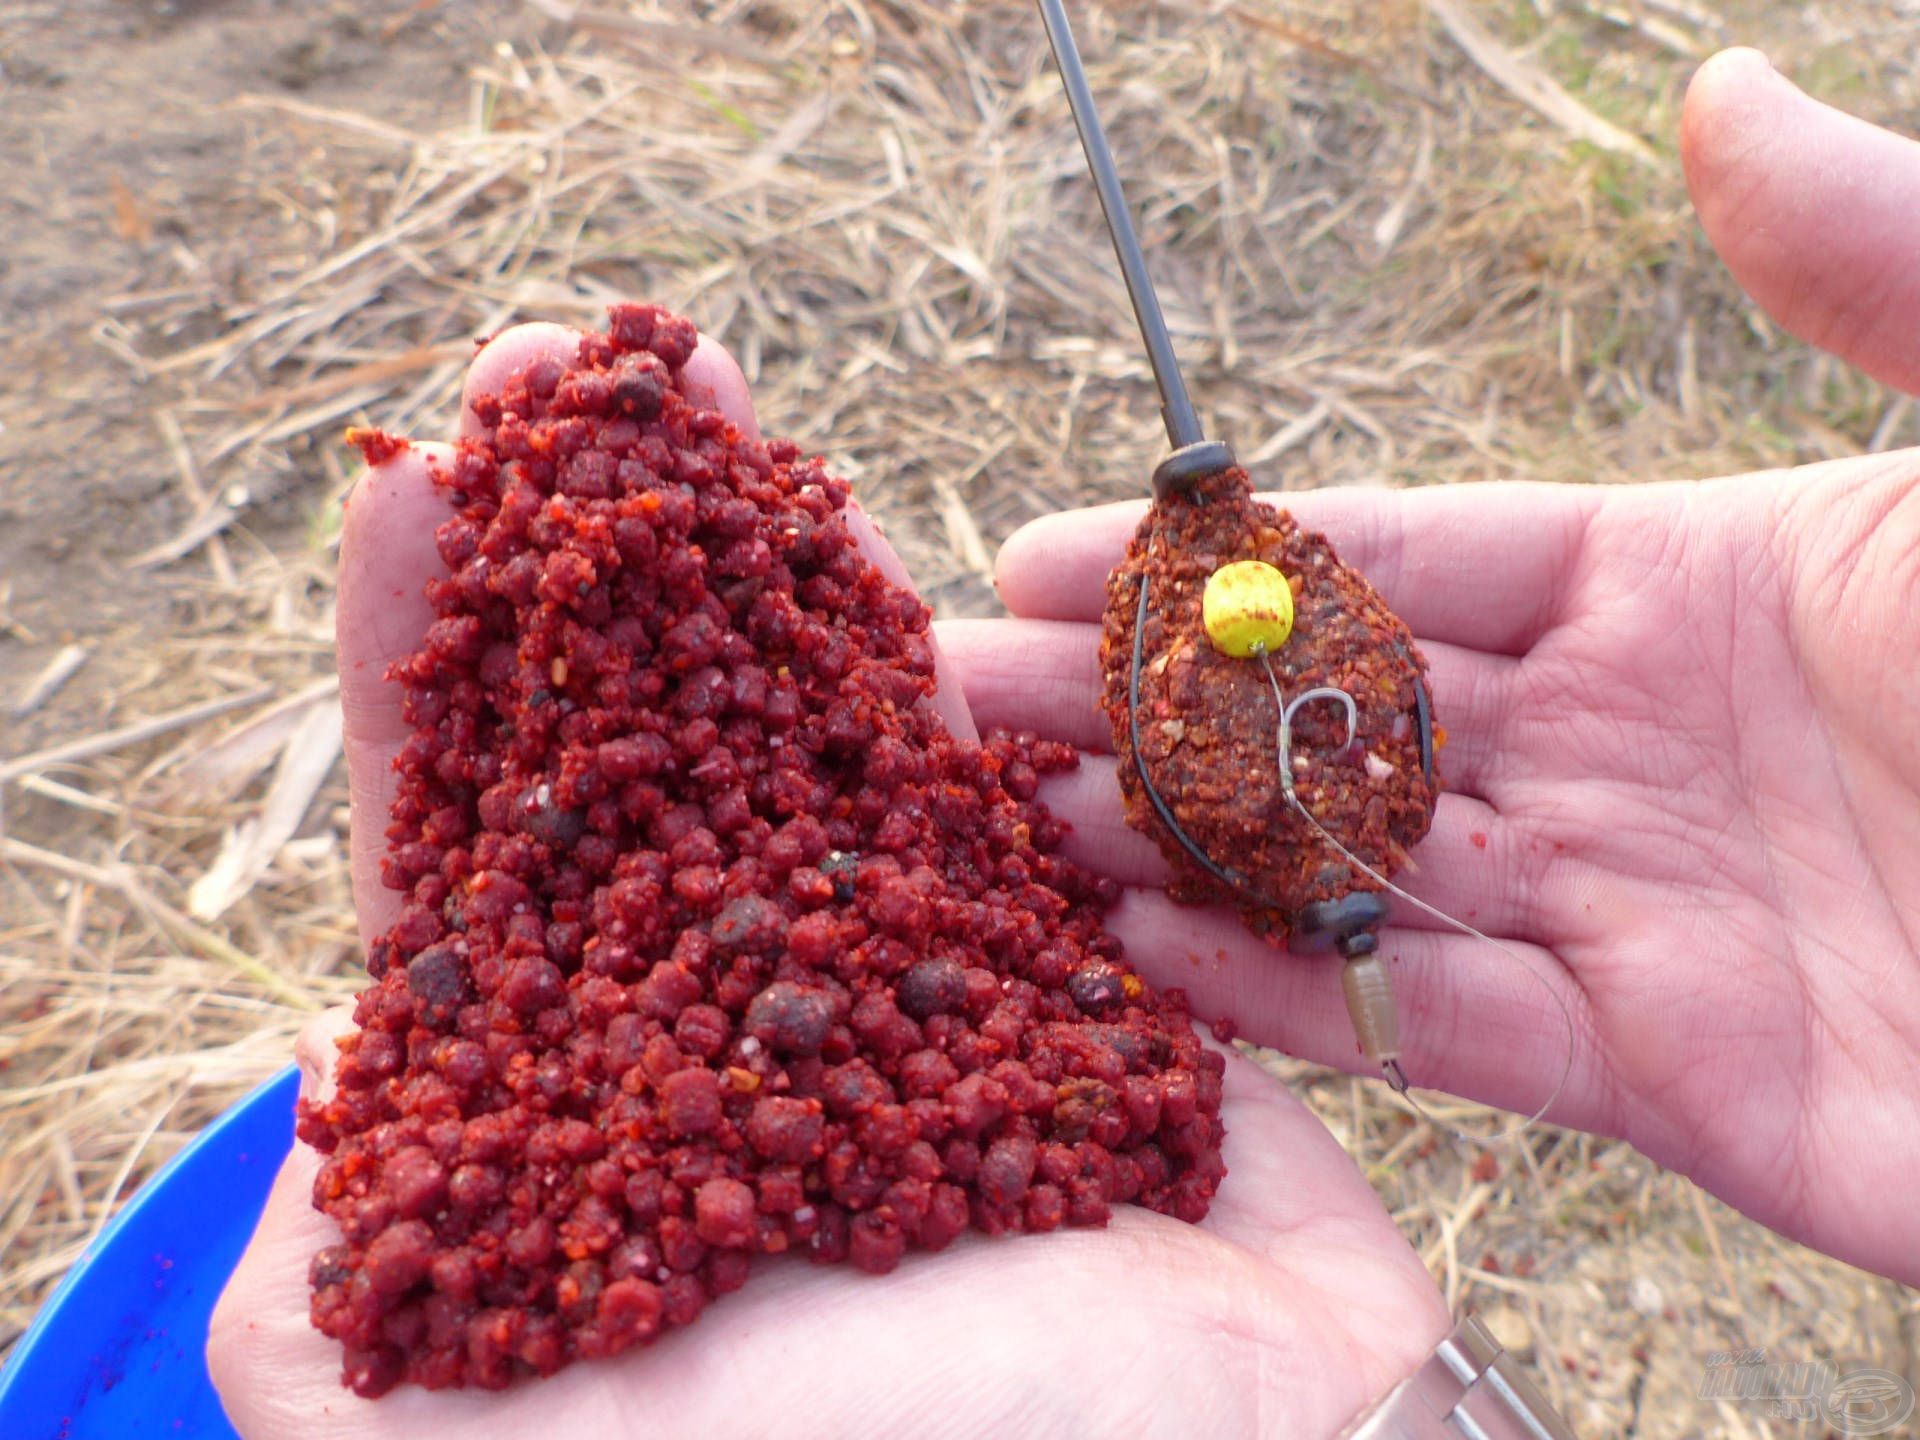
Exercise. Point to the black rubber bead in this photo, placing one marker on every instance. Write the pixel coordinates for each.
(1324, 925)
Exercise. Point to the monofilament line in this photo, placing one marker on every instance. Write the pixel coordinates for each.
(1283, 749)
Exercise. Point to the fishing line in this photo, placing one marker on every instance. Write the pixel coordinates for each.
(1284, 755)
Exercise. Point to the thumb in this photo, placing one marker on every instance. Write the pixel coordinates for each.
(318, 1048)
(1811, 209)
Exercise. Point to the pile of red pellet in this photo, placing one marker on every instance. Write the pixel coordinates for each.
(717, 944)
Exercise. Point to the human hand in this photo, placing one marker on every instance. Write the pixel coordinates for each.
(1292, 1307)
(1683, 758)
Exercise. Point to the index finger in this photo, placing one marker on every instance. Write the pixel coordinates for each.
(1484, 566)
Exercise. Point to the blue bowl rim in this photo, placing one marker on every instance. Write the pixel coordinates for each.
(18, 1370)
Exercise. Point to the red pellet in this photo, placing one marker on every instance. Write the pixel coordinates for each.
(715, 943)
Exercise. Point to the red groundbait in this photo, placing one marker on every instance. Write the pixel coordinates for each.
(718, 944)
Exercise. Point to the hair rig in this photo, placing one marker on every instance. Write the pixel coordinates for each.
(1271, 714)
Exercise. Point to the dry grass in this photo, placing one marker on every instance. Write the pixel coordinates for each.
(1382, 268)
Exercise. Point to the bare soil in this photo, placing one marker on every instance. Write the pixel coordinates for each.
(137, 162)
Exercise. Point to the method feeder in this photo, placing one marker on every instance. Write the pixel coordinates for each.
(1256, 622)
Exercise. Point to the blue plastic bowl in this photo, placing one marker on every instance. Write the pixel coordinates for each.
(119, 1350)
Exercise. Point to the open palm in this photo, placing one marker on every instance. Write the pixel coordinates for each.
(1285, 1313)
(1291, 1308)
(1684, 755)
(1647, 787)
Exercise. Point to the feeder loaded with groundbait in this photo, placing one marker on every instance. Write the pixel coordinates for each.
(1196, 719)
(1309, 850)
